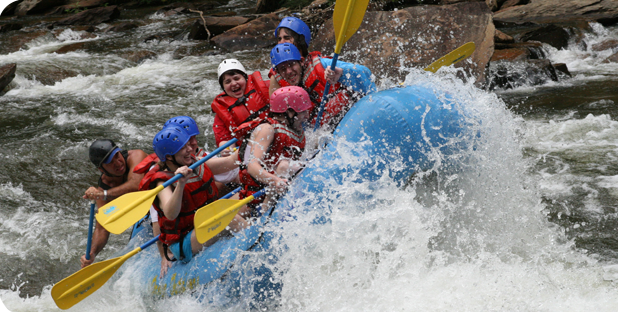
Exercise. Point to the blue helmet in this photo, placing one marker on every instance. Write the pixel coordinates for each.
(284, 52)
(184, 122)
(297, 26)
(169, 141)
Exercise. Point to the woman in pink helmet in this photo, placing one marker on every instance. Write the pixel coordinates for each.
(273, 143)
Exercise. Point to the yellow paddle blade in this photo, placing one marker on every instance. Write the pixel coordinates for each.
(124, 211)
(347, 18)
(86, 281)
(211, 219)
(455, 56)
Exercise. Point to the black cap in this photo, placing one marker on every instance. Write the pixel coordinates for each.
(100, 150)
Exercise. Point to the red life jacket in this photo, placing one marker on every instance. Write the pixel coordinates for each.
(287, 144)
(314, 82)
(199, 190)
(255, 103)
(146, 163)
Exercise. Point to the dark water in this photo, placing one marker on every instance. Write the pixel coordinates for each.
(567, 133)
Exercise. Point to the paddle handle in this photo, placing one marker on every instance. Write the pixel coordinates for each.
(150, 242)
(89, 243)
(201, 161)
(326, 90)
(230, 194)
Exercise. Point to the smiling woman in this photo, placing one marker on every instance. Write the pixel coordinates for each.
(244, 98)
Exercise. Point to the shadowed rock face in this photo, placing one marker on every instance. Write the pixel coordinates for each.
(386, 42)
(7, 73)
(256, 34)
(548, 11)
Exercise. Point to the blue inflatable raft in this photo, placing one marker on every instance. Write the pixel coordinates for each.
(412, 126)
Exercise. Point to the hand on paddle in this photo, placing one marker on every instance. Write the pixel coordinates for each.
(94, 193)
(332, 76)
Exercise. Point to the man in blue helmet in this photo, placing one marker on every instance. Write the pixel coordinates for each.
(117, 178)
(349, 82)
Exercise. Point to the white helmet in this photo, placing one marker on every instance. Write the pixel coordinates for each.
(230, 64)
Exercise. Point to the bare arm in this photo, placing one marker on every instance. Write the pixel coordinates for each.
(223, 164)
(171, 202)
(274, 85)
(261, 139)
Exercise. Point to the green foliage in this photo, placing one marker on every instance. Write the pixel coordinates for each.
(74, 9)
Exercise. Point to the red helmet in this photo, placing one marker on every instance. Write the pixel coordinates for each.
(292, 97)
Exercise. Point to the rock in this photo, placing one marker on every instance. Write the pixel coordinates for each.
(120, 27)
(92, 17)
(552, 11)
(77, 6)
(605, 45)
(19, 39)
(256, 34)
(612, 59)
(535, 48)
(266, 6)
(415, 37)
(512, 3)
(29, 7)
(492, 4)
(50, 75)
(8, 27)
(7, 73)
(216, 25)
(515, 54)
(508, 75)
(551, 34)
(10, 8)
(138, 56)
(562, 68)
(502, 37)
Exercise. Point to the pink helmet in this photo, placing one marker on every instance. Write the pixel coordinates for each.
(292, 97)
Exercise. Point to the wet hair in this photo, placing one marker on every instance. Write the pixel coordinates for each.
(231, 72)
(299, 41)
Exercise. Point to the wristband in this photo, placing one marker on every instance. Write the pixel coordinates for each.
(104, 194)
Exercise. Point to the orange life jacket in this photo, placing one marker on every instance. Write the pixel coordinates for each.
(287, 144)
(314, 82)
(199, 190)
(255, 103)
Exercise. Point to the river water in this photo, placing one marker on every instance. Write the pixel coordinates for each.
(530, 225)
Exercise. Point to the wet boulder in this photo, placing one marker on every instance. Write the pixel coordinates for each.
(256, 34)
(29, 7)
(92, 17)
(512, 3)
(552, 11)
(7, 73)
(9, 27)
(509, 75)
(553, 35)
(216, 25)
(562, 70)
(502, 37)
(514, 54)
(389, 43)
(121, 27)
(612, 59)
(605, 45)
(535, 49)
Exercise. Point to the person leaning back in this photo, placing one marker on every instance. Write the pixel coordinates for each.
(117, 178)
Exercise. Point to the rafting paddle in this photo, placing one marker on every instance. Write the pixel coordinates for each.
(211, 219)
(124, 211)
(453, 57)
(89, 243)
(86, 281)
(347, 17)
